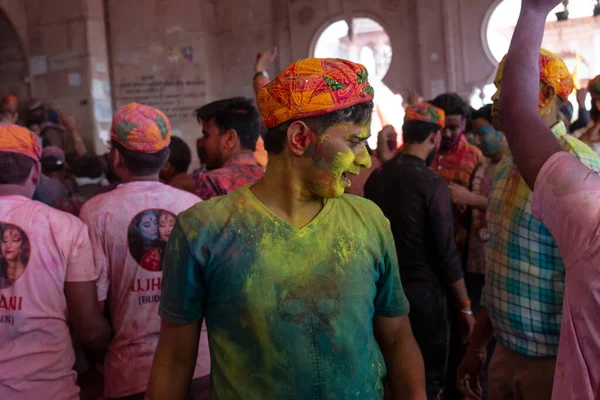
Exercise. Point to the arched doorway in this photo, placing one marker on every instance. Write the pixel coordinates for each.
(14, 68)
(576, 40)
(364, 40)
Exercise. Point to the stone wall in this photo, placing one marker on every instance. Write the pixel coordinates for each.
(91, 56)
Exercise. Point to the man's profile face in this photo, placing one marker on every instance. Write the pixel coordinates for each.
(210, 149)
(339, 152)
(452, 132)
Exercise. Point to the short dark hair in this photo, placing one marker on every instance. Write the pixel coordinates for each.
(484, 112)
(89, 166)
(416, 132)
(275, 138)
(14, 168)
(142, 163)
(181, 155)
(237, 113)
(452, 104)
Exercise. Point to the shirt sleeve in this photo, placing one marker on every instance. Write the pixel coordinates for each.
(80, 262)
(566, 199)
(100, 259)
(182, 288)
(441, 221)
(390, 300)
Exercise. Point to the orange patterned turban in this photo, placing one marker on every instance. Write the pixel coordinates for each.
(311, 87)
(16, 139)
(594, 88)
(141, 128)
(553, 72)
(425, 112)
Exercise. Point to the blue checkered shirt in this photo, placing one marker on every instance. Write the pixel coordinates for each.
(525, 276)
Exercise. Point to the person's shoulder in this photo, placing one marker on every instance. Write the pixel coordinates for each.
(98, 203)
(57, 219)
(361, 205)
(213, 212)
(582, 151)
(182, 196)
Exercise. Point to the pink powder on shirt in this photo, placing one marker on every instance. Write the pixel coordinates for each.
(41, 249)
(567, 199)
(128, 228)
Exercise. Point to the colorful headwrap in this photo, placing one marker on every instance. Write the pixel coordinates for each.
(594, 88)
(311, 87)
(16, 139)
(425, 112)
(141, 128)
(553, 72)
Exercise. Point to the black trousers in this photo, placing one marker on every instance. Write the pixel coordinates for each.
(430, 323)
(199, 390)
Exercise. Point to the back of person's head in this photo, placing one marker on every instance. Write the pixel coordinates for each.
(14, 168)
(142, 164)
(20, 151)
(181, 155)
(452, 104)
(237, 113)
(276, 138)
(141, 134)
(484, 112)
(416, 132)
(88, 166)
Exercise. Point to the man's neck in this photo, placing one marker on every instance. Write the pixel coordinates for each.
(140, 178)
(282, 190)
(417, 150)
(15, 190)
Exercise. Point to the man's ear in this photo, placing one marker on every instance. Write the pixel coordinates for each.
(299, 136)
(36, 171)
(547, 95)
(229, 139)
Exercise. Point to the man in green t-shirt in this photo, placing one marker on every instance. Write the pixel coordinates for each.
(298, 283)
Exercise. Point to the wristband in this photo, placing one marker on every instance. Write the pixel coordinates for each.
(467, 311)
(465, 304)
(261, 73)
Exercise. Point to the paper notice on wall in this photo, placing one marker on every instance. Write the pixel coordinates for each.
(74, 79)
(438, 87)
(38, 65)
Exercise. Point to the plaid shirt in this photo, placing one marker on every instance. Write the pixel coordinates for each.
(239, 171)
(525, 275)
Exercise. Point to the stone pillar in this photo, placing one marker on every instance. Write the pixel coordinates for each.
(67, 54)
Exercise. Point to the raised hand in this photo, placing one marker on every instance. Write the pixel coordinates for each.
(264, 59)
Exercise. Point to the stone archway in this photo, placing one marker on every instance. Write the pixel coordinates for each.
(14, 68)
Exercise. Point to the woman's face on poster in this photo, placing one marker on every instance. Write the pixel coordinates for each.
(165, 225)
(149, 226)
(12, 245)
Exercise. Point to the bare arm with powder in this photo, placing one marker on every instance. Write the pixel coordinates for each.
(174, 361)
(406, 371)
(530, 140)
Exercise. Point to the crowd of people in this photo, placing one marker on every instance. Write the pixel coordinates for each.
(296, 262)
